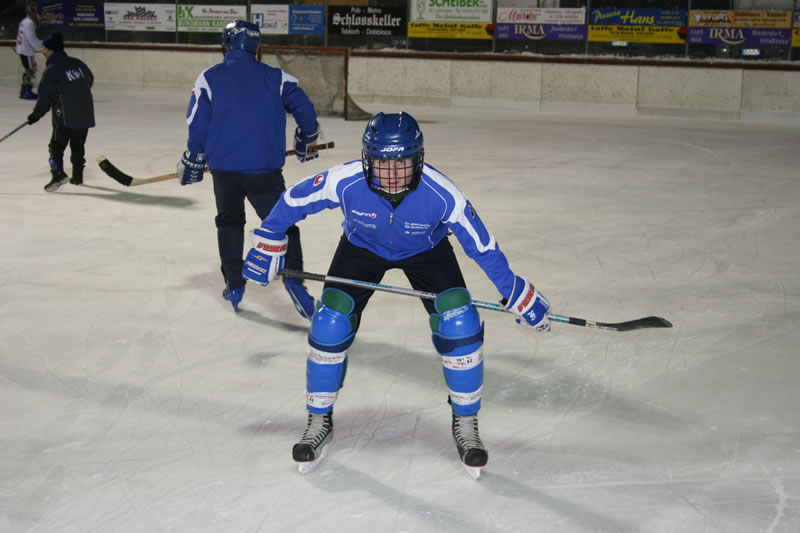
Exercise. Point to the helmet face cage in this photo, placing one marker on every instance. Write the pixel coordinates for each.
(241, 35)
(392, 144)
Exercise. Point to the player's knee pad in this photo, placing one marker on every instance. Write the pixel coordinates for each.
(333, 329)
(458, 338)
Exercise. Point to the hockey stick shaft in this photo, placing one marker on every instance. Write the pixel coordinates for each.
(641, 323)
(15, 130)
(130, 181)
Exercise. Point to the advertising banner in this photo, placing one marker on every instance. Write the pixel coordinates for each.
(140, 17)
(449, 30)
(637, 25)
(70, 15)
(740, 19)
(272, 19)
(306, 20)
(542, 32)
(796, 29)
(541, 15)
(535, 24)
(638, 17)
(367, 20)
(451, 11)
(756, 37)
(206, 18)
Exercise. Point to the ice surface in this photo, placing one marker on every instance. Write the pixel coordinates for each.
(134, 399)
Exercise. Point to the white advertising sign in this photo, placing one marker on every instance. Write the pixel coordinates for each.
(140, 17)
(541, 15)
(451, 11)
(194, 17)
(271, 19)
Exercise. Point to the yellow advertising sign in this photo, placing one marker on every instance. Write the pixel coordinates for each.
(635, 34)
(740, 19)
(448, 30)
(795, 37)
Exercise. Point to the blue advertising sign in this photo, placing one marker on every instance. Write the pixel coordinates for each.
(306, 20)
(743, 36)
(71, 15)
(541, 32)
(638, 17)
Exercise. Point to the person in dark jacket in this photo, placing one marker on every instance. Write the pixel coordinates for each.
(66, 87)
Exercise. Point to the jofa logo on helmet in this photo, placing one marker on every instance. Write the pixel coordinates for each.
(393, 149)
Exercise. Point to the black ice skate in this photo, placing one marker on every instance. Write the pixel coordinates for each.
(58, 179)
(468, 442)
(311, 448)
(77, 176)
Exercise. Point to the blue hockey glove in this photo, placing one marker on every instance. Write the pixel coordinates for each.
(529, 304)
(191, 167)
(265, 259)
(304, 141)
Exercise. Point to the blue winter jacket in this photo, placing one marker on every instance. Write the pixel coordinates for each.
(417, 224)
(237, 114)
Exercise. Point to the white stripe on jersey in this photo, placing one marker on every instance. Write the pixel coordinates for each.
(457, 216)
(287, 78)
(200, 84)
(328, 191)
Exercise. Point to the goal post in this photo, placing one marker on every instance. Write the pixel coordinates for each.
(322, 72)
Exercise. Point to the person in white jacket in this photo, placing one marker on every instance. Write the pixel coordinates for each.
(27, 44)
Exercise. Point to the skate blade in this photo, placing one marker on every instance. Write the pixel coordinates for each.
(473, 471)
(305, 468)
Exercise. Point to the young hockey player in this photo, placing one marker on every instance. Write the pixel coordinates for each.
(398, 211)
(237, 126)
(27, 44)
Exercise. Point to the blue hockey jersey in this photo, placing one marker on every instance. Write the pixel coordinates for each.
(416, 225)
(237, 114)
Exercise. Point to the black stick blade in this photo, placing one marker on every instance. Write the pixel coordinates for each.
(639, 323)
(113, 171)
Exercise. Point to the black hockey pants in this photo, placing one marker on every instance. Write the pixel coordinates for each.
(76, 139)
(262, 191)
(432, 271)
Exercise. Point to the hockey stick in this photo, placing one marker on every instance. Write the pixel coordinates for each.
(630, 325)
(15, 130)
(130, 181)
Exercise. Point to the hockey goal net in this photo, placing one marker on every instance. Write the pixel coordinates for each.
(322, 72)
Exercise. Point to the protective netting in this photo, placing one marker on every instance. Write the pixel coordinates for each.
(322, 74)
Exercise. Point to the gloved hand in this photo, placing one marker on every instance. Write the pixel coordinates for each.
(529, 304)
(302, 143)
(191, 167)
(266, 258)
(32, 118)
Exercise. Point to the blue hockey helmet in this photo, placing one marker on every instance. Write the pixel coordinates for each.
(241, 35)
(389, 139)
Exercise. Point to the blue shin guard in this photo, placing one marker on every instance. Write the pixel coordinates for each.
(458, 338)
(333, 329)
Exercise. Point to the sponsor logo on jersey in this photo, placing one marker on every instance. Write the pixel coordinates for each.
(363, 214)
(319, 178)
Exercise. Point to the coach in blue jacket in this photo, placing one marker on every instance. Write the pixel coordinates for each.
(237, 127)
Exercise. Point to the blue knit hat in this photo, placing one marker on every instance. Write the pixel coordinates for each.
(55, 42)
